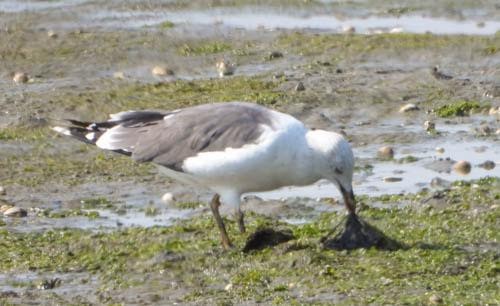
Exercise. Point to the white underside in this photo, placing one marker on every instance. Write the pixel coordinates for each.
(280, 157)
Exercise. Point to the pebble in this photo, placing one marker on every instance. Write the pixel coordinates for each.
(2, 190)
(162, 71)
(275, 54)
(300, 87)
(488, 165)
(435, 299)
(348, 29)
(462, 167)
(440, 150)
(20, 77)
(385, 152)
(429, 126)
(15, 212)
(392, 179)
(408, 108)
(119, 75)
(228, 287)
(225, 68)
(168, 198)
(438, 182)
(52, 34)
(484, 130)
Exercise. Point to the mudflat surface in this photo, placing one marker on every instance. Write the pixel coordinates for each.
(97, 231)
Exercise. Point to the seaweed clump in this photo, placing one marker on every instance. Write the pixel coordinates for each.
(358, 234)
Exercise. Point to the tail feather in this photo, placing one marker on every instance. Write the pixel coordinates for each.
(91, 132)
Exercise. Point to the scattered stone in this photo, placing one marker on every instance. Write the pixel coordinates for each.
(17, 212)
(168, 198)
(224, 67)
(348, 29)
(462, 167)
(494, 206)
(48, 284)
(52, 34)
(408, 108)
(497, 132)
(8, 294)
(275, 55)
(356, 234)
(440, 150)
(119, 75)
(488, 165)
(429, 126)
(278, 75)
(20, 77)
(266, 237)
(484, 130)
(339, 71)
(228, 287)
(392, 179)
(2, 190)
(162, 71)
(439, 75)
(480, 24)
(385, 152)
(438, 182)
(300, 87)
(435, 299)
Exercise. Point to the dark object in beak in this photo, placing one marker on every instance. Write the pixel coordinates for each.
(349, 200)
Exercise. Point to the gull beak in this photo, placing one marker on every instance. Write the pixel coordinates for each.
(349, 200)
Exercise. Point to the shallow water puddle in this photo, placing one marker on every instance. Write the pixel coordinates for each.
(65, 284)
(252, 20)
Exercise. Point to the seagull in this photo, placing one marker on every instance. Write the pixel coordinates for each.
(231, 148)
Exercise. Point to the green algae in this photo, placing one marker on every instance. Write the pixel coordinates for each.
(38, 167)
(451, 251)
(204, 48)
(173, 95)
(459, 108)
(342, 46)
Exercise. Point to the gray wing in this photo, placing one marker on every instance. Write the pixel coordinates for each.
(171, 137)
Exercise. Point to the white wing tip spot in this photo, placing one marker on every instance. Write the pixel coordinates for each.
(61, 130)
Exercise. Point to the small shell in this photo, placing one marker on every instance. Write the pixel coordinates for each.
(408, 108)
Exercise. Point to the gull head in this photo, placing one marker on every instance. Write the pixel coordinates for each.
(335, 162)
